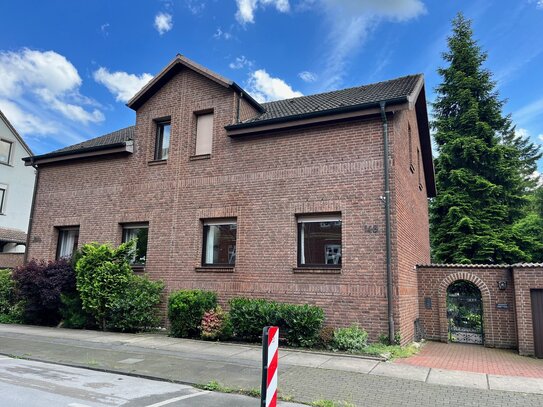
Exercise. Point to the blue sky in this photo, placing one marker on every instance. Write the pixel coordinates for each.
(68, 67)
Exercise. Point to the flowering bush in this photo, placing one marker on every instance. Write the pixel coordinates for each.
(215, 325)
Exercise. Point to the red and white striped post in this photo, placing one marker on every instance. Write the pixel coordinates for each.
(270, 356)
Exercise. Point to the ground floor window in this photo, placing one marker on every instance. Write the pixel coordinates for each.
(219, 248)
(138, 232)
(68, 239)
(319, 240)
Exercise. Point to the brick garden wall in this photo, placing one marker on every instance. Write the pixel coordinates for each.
(264, 181)
(11, 260)
(526, 278)
(498, 324)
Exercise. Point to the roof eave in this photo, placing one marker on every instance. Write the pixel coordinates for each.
(14, 131)
(116, 148)
(171, 69)
(323, 113)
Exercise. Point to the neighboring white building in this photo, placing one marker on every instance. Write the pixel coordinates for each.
(16, 189)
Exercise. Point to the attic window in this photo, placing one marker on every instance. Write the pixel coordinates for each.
(5, 151)
(204, 133)
(162, 146)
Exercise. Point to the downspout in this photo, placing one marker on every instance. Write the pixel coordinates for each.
(30, 220)
(390, 307)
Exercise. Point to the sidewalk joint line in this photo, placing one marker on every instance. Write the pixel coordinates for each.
(427, 375)
(487, 381)
(377, 364)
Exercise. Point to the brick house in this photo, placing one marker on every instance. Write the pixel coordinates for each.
(284, 200)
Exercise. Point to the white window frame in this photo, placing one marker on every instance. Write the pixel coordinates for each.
(316, 218)
(3, 201)
(10, 152)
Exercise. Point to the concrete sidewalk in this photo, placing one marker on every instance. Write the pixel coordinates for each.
(303, 376)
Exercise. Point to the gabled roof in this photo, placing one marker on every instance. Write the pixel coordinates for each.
(17, 135)
(178, 63)
(394, 89)
(117, 141)
(12, 236)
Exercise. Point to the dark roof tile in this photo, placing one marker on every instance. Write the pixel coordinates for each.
(12, 236)
(115, 137)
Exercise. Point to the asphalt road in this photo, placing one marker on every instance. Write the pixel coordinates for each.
(26, 383)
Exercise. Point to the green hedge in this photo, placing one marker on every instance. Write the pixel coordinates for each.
(11, 311)
(300, 324)
(186, 309)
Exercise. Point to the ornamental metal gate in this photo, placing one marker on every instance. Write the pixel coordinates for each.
(465, 313)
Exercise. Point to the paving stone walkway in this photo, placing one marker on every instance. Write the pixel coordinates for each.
(304, 377)
(475, 358)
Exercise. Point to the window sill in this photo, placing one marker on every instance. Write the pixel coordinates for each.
(138, 268)
(157, 162)
(316, 270)
(200, 157)
(214, 269)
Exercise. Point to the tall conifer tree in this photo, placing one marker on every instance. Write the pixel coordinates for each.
(481, 169)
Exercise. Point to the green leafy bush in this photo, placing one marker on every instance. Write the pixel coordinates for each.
(186, 309)
(249, 316)
(299, 324)
(216, 325)
(73, 314)
(352, 339)
(302, 323)
(137, 309)
(103, 273)
(11, 311)
(326, 337)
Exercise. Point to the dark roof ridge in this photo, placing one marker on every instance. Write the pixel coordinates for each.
(336, 91)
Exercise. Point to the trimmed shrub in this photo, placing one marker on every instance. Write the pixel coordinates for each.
(302, 323)
(137, 309)
(186, 309)
(352, 339)
(326, 337)
(103, 273)
(249, 317)
(39, 285)
(11, 312)
(216, 325)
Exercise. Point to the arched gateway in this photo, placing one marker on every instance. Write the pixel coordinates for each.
(464, 313)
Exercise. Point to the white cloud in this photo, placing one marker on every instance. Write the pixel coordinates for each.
(121, 84)
(104, 29)
(540, 137)
(240, 62)
(219, 33)
(163, 22)
(529, 112)
(195, 6)
(350, 22)
(265, 88)
(536, 175)
(246, 8)
(46, 79)
(540, 4)
(307, 76)
(25, 122)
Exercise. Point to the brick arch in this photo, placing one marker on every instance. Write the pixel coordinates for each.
(488, 326)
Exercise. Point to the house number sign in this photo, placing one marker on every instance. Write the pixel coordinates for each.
(371, 229)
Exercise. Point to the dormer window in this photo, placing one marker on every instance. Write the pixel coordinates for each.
(162, 146)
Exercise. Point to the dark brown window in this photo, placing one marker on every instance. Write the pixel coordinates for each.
(5, 151)
(219, 242)
(3, 189)
(319, 240)
(162, 146)
(68, 240)
(138, 232)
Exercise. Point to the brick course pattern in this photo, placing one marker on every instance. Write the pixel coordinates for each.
(11, 260)
(264, 181)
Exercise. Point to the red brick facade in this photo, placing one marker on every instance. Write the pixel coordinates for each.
(11, 260)
(264, 182)
(507, 312)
